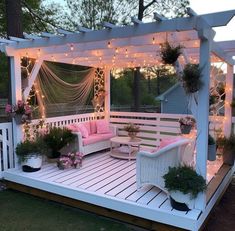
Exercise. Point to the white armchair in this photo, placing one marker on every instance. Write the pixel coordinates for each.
(150, 167)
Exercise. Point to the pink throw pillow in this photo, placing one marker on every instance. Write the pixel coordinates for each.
(168, 141)
(87, 125)
(102, 126)
(81, 127)
(93, 126)
(72, 127)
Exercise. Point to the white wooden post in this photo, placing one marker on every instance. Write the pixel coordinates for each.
(107, 92)
(16, 88)
(228, 100)
(203, 112)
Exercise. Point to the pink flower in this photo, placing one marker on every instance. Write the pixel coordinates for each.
(20, 103)
(8, 108)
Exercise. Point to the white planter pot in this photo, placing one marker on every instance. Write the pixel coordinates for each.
(211, 152)
(183, 198)
(33, 163)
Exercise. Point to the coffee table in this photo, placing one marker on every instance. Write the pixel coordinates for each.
(124, 147)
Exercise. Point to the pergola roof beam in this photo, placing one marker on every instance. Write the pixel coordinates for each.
(48, 35)
(108, 25)
(136, 21)
(83, 29)
(191, 12)
(158, 17)
(219, 18)
(64, 32)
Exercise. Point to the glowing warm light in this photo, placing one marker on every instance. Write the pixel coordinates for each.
(109, 44)
(153, 40)
(116, 50)
(71, 47)
(43, 96)
(66, 54)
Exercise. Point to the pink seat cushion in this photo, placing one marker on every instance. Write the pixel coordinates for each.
(168, 141)
(88, 127)
(82, 128)
(102, 126)
(93, 126)
(94, 138)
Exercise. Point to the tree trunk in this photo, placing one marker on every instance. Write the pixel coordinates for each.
(14, 28)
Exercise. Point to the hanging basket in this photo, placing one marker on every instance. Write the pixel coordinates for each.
(185, 129)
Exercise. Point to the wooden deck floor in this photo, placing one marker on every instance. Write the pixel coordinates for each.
(109, 183)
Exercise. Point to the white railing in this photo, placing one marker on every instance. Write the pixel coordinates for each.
(62, 121)
(155, 126)
(7, 159)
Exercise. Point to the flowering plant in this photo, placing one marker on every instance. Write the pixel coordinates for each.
(130, 127)
(188, 120)
(21, 108)
(73, 159)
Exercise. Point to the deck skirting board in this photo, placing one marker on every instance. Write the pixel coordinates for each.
(139, 210)
(215, 198)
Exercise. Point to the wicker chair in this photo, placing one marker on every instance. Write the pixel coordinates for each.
(150, 167)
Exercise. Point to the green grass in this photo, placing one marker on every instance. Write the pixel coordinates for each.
(22, 212)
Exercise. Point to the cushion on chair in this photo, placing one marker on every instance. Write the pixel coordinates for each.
(94, 138)
(82, 128)
(93, 126)
(102, 126)
(88, 127)
(168, 141)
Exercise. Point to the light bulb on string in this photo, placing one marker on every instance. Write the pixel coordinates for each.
(109, 44)
(71, 47)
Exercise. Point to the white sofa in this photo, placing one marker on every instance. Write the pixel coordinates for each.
(95, 141)
(150, 167)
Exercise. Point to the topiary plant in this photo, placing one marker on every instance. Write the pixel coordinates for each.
(184, 179)
(169, 54)
(191, 78)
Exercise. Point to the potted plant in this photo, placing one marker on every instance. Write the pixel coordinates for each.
(21, 112)
(132, 130)
(30, 153)
(169, 54)
(211, 148)
(186, 124)
(191, 78)
(228, 146)
(183, 184)
(56, 139)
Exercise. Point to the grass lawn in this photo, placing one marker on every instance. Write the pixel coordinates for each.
(22, 212)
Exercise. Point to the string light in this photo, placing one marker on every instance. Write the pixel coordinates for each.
(116, 50)
(153, 40)
(71, 47)
(109, 44)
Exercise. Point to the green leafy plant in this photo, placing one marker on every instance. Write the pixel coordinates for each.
(227, 143)
(184, 179)
(211, 140)
(233, 104)
(28, 148)
(56, 139)
(191, 78)
(169, 54)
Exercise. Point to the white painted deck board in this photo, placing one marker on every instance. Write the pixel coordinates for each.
(105, 177)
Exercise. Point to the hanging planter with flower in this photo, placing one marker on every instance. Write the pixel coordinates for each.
(21, 112)
(186, 124)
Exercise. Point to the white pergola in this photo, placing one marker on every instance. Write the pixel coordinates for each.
(133, 46)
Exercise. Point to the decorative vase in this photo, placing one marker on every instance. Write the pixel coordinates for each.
(181, 201)
(185, 129)
(33, 163)
(132, 135)
(211, 156)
